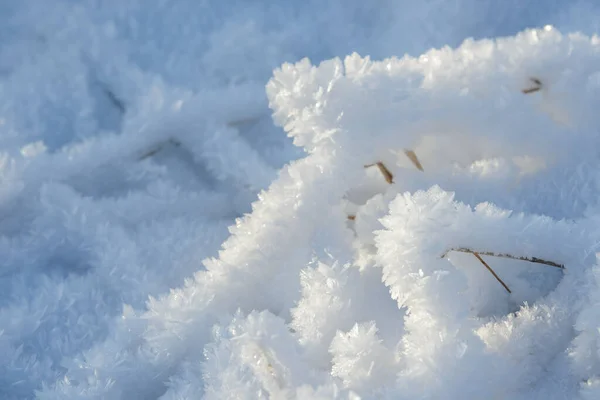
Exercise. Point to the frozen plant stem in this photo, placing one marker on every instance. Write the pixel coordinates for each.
(389, 178)
(233, 124)
(158, 148)
(413, 158)
(118, 103)
(491, 271)
(243, 122)
(534, 260)
(537, 86)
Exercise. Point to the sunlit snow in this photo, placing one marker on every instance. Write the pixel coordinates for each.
(299, 199)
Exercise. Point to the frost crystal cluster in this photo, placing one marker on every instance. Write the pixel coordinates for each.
(433, 237)
(345, 282)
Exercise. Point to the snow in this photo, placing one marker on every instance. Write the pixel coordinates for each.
(161, 236)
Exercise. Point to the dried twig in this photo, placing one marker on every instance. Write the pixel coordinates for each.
(413, 158)
(534, 260)
(233, 124)
(150, 153)
(243, 122)
(491, 271)
(389, 178)
(158, 148)
(537, 86)
(478, 254)
(118, 103)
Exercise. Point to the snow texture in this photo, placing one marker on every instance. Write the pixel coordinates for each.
(162, 238)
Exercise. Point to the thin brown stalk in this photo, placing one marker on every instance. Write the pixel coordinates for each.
(158, 148)
(531, 90)
(389, 178)
(387, 175)
(150, 153)
(242, 122)
(534, 260)
(413, 158)
(537, 86)
(491, 271)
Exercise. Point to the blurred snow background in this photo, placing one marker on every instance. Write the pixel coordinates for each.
(133, 133)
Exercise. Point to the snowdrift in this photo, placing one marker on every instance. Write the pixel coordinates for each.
(437, 241)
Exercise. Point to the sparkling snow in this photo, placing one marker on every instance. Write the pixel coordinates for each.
(186, 211)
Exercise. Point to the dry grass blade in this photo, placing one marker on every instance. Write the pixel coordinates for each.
(537, 86)
(534, 260)
(389, 178)
(387, 175)
(243, 122)
(491, 271)
(158, 148)
(150, 153)
(118, 103)
(413, 158)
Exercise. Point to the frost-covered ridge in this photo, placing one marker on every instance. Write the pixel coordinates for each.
(340, 284)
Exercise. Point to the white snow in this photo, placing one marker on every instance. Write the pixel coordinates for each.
(162, 238)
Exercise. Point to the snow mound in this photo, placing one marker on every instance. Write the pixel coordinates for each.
(437, 242)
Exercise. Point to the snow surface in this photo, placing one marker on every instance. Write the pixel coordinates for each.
(137, 262)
